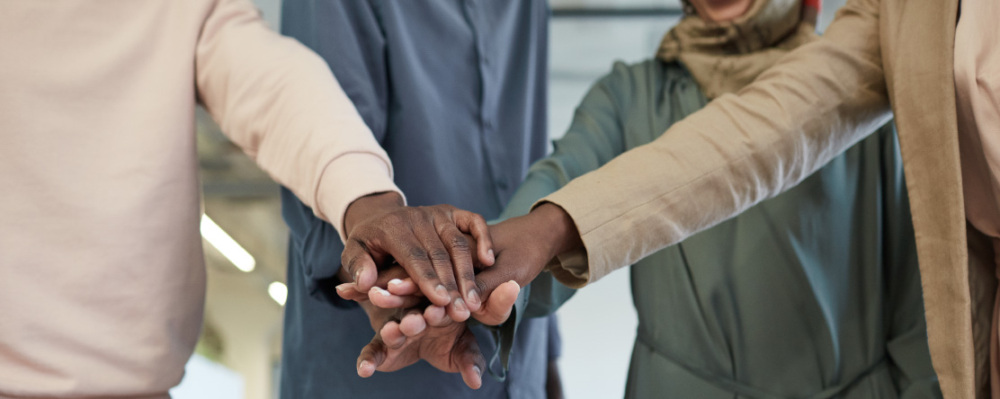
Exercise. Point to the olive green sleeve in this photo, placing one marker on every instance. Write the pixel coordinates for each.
(595, 136)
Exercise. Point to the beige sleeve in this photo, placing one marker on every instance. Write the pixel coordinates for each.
(739, 150)
(280, 103)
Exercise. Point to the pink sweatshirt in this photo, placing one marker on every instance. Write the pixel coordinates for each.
(102, 278)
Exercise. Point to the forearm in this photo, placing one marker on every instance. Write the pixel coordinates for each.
(279, 102)
(736, 152)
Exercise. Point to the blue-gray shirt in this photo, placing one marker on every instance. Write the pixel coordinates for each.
(455, 91)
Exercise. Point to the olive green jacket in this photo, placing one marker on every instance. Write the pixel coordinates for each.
(812, 294)
(816, 102)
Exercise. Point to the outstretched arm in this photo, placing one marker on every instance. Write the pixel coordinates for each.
(595, 136)
(734, 153)
(280, 103)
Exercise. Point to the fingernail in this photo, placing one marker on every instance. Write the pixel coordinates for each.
(395, 281)
(364, 364)
(515, 283)
(460, 305)
(474, 298)
(440, 290)
(477, 370)
(492, 256)
(381, 291)
(357, 275)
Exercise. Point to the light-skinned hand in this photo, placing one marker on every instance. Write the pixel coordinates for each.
(445, 344)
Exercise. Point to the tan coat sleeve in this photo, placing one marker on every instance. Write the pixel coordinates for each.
(739, 150)
(280, 103)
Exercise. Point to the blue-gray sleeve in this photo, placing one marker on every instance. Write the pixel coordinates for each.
(555, 339)
(909, 357)
(595, 136)
(348, 35)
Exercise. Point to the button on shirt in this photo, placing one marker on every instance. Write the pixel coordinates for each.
(455, 91)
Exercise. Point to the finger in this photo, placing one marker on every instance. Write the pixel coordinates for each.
(469, 359)
(403, 286)
(386, 300)
(441, 261)
(392, 335)
(413, 256)
(499, 304)
(436, 316)
(489, 279)
(413, 324)
(347, 291)
(371, 357)
(394, 273)
(461, 259)
(360, 264)
(474, 224)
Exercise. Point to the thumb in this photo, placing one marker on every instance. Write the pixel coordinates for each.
(469, 360)
(360, 265)
(371, 357)
(499, 304)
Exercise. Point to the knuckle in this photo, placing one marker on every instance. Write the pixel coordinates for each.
(360, 244)
(350, 262)
(477, 218)
(392, 218)
(429, 274)
(468, 275)
(361, 234)
(440, 255)
(458, 243)
(419, 211)
(417, 254)
(481, 285)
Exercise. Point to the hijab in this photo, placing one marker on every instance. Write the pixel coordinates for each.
(723, 57)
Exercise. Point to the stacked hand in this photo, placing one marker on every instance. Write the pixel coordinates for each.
(414, 273)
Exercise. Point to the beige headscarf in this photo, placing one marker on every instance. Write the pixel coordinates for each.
(725, 56)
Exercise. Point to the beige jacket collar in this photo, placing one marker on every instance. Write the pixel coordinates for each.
(918, 58)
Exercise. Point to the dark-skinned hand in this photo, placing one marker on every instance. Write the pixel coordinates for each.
(445, 344)
(428, 243)
(524, 246)
(403, 337)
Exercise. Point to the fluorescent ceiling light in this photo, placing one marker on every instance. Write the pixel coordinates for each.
(278, 291)
(226, 245)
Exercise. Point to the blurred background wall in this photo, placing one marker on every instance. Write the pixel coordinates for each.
(239, 356)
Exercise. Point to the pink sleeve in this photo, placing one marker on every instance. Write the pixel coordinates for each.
(280, 103)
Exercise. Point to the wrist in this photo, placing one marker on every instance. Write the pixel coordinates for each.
(370, 205)
(559, 234)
